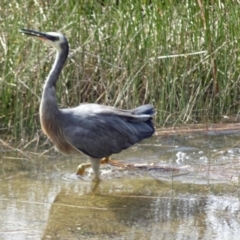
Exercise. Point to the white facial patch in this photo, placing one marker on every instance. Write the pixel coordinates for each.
(56, 44)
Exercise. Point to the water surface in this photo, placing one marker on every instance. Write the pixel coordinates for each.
(186, 188)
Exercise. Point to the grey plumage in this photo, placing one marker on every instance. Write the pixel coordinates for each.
(96, 130)
(100, 131)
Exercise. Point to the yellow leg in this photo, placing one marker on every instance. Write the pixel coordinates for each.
(82, 167)
(120, 164)
(104, 160)
(112, 162)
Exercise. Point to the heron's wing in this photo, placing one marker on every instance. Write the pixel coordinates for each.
(100, 131)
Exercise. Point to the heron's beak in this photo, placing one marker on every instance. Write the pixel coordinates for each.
(41, 35)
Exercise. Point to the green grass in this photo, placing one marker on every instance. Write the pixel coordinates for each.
(119, 56)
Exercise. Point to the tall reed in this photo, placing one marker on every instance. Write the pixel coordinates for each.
(181, 56)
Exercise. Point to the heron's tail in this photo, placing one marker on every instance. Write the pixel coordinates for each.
(144, 110)
(143, 121)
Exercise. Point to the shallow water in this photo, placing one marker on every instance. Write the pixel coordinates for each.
(186, 188)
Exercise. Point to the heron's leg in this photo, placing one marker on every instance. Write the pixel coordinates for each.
(81, 168)
(95, 162)
(112, 162)
(105, 160)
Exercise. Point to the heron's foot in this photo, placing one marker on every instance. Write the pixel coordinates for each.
(113, 162)
(81, 168)
(104, 160)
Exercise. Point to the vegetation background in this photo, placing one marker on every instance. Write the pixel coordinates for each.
(181, 56)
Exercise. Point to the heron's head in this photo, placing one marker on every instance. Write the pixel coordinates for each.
(56, 40)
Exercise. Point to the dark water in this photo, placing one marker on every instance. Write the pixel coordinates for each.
(187, 188)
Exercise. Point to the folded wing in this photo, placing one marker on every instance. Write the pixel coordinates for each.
(100, 131)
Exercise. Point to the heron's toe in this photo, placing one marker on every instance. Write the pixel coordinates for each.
(104, 160)
(80, 169)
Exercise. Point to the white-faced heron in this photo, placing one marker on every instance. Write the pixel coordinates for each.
(96, 130)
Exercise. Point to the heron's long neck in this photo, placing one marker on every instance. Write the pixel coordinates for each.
(56, 69)
(48, 104)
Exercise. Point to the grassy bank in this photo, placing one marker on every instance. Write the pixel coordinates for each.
(121, 54)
